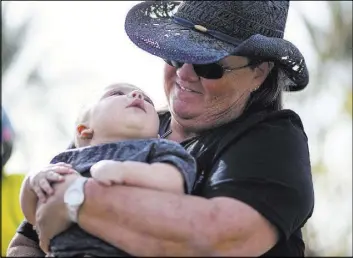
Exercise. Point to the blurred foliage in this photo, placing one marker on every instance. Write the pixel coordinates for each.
(333, 46)
(333, 43)
(348, 103)
(13, 41)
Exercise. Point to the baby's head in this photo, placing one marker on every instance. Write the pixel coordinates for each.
(122, 112)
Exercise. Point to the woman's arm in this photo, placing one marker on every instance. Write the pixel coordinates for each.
(156, 223)
(153, 223)
(157, 176)
(21, 246)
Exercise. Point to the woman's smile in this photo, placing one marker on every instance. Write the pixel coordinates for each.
(185, 94)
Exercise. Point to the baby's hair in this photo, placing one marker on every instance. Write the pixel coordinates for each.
(123, 84)
(84, 115)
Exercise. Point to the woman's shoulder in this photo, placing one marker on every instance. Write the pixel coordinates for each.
(279, 120)
(282, 123)
(285, 115)
(266, 127)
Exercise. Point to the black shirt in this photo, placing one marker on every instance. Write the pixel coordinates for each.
(261, 159)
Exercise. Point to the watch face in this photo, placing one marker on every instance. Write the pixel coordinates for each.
(73, 197)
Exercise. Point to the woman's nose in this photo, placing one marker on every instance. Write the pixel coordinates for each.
(135, 94)
(187, 73)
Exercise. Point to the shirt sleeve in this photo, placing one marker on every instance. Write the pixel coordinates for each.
(268, 169)
(26, 229)
(174, 154)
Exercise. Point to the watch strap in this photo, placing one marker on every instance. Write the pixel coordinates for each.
(77, 185)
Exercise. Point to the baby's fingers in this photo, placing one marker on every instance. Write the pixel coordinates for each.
(41, 197)
(63, 170)
(63, 164)
(45, 186)
(53, 176)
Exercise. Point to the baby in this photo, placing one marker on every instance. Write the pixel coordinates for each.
(116, 143)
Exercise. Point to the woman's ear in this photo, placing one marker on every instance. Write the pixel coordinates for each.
(261, 73)
(83, 132)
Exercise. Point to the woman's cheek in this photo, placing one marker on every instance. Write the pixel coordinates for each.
(169, 72)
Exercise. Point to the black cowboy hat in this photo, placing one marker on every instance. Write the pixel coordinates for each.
(201, 32)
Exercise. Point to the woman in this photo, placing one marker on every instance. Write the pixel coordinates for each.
(227, 65)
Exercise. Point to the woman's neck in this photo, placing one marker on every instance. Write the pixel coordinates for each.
(179, 133)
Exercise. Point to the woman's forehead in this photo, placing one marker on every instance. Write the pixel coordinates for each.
(234, 60)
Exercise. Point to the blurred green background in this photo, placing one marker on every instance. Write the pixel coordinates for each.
(56, 55)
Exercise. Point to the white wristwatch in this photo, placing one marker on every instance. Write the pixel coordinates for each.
(74, 197)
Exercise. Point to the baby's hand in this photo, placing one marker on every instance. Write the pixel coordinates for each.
(108, 172)
(40, 182)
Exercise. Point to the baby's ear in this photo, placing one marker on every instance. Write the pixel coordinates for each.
(83, 132)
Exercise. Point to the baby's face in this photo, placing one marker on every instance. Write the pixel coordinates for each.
(126, 112)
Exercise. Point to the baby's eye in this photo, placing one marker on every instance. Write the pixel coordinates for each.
(149, 101)
(114, 93)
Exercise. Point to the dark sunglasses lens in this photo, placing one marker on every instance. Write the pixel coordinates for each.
(209, 71)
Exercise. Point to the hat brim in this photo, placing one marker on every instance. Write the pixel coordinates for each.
(150, 27)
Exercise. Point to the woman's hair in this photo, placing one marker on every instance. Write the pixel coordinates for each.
(269, 94)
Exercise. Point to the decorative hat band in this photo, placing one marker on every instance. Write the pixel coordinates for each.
(200, 28)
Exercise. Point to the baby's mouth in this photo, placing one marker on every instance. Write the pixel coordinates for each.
(138, 103)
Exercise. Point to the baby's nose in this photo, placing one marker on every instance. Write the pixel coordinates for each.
(135, 94)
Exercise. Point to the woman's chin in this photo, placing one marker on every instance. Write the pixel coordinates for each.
(183, 110)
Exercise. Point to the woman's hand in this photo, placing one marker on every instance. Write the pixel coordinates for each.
(52, 217)
(40, 182)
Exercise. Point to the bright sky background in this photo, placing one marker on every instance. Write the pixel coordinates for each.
(82, 47)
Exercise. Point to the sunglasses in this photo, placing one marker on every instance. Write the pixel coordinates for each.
(211, 71)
